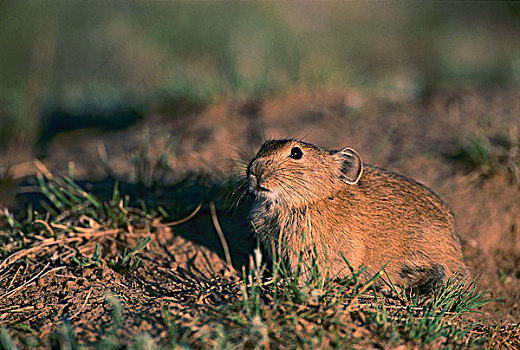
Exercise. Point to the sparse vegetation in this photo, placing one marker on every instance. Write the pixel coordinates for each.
(480, 153)
(256, 310)
(151, 172)
(86, 261)
(129, 261)
(491, 154)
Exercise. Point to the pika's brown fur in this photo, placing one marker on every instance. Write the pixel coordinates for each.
(347, 209)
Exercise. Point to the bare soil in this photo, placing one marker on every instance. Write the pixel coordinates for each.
(184, 265)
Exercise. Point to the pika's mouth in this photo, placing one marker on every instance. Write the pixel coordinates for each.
(261, 189)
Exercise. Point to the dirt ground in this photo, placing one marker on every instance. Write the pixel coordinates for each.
(420, 139)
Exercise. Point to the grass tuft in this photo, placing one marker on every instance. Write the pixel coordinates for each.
(427, 320)
(129, 261)
(151, 171)
(67, 201)
(492, 154)
(86, 261)
(480, 153)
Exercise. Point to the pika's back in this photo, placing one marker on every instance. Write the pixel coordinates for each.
(381, 186)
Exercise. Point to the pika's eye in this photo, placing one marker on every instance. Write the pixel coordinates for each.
(296, 153)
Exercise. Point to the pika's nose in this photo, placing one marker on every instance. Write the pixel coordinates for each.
(256, 169)
(256, 173)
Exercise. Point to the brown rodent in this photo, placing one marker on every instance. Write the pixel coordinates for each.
(353, 211)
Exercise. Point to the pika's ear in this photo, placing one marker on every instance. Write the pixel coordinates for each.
(351, 165)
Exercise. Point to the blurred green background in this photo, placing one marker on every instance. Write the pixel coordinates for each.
(95, 58)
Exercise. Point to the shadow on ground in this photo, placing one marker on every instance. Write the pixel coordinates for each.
(177, 201)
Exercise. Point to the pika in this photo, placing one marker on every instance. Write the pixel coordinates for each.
(326, 207)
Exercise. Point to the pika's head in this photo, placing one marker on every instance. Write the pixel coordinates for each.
(296, 173)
